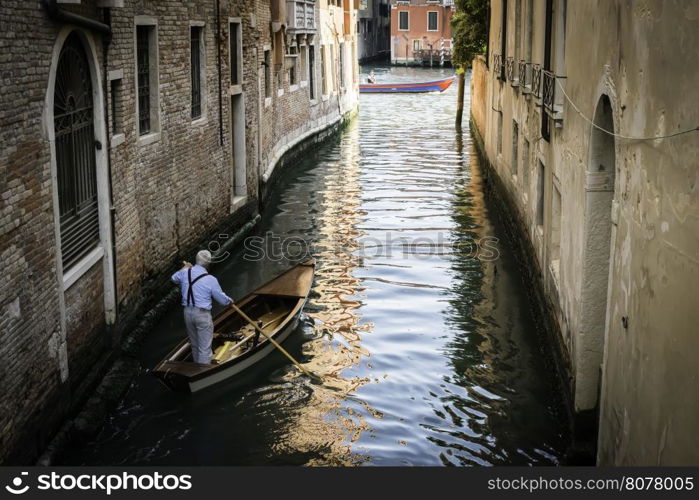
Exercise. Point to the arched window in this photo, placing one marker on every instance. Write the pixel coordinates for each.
(75, 153)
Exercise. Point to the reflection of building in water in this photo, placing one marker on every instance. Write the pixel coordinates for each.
(492, 337)
(333, 307)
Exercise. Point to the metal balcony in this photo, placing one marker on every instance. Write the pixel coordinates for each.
(525, 76)
(499, 67)
(510, 70)
(549, 98)
(536, 80)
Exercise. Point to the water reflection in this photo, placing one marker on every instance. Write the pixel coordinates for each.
(429, 354)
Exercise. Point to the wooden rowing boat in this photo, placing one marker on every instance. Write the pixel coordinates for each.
(382, 88)
(275, 307)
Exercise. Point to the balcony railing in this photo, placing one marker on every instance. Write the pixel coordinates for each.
(510, 70)
(549, 98)
(499, 66)
(525, 76)
(549, 89)
(300, 16)
(536, 80)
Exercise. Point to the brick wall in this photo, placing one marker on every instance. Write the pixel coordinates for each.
(168, 195)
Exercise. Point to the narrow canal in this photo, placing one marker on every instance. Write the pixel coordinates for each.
(430, 355)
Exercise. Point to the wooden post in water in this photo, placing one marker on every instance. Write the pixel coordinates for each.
(460, 97)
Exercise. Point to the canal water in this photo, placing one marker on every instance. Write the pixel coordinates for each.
(418, 319)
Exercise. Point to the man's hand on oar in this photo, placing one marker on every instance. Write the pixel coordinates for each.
(312, 375)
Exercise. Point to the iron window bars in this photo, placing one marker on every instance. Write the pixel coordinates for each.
(196, 71)
(75, 154)
(143, 61)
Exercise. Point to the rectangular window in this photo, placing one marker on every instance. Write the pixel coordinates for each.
(432, 20)
(196, 33)
(323, 71)
(555, 230)
(403, 22)
(499, 142)
(144, 42)
(236, 52)
(528, 31)
(353, 61)
(311, 71)
(540, 195)
(525, 165)
(518, 30)
(342, 65)
(117, 117)
(332, 78)
(515, 145)
(291, 64)
(417, 45)
(268, 74)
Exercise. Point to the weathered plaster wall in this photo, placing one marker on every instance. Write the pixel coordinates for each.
(629, 317)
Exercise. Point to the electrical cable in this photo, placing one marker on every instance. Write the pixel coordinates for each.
(621, 136)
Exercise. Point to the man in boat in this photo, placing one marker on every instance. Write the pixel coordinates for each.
(199, 289)
(371, 78)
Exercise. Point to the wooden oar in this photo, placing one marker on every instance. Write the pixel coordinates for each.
(276, 344)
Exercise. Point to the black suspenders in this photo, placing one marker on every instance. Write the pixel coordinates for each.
(190, 293)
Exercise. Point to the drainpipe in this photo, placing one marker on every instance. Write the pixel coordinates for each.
(112, 210)
(60, 15)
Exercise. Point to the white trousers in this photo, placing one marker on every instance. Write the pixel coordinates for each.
(200, 330)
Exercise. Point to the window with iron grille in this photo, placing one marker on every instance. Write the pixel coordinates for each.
(235, 52)
(115, 94)
(311, 71)
(195, 66)
(143, 42)
(75, 154)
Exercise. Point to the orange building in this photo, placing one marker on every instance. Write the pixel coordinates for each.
(421, 32)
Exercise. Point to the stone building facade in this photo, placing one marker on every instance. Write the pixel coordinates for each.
(577, 121)
(421, 32)
(133, 132)
(373, 29)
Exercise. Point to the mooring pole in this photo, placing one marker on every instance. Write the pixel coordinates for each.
(460, 97)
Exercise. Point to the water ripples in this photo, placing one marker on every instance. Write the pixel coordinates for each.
(429, 356)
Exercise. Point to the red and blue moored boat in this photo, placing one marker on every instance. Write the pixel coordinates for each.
(435, 86)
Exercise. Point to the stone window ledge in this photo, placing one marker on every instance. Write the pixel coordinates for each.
(147, 139)
(238, 202)
(201, 121)
(83, 266)
(117, 140)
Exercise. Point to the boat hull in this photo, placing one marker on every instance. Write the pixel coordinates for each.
(397, 88)
(181, 383)
(288, 291)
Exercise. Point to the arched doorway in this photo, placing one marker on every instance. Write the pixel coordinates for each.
(76, 129)
(73, 119)
(599, 196)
